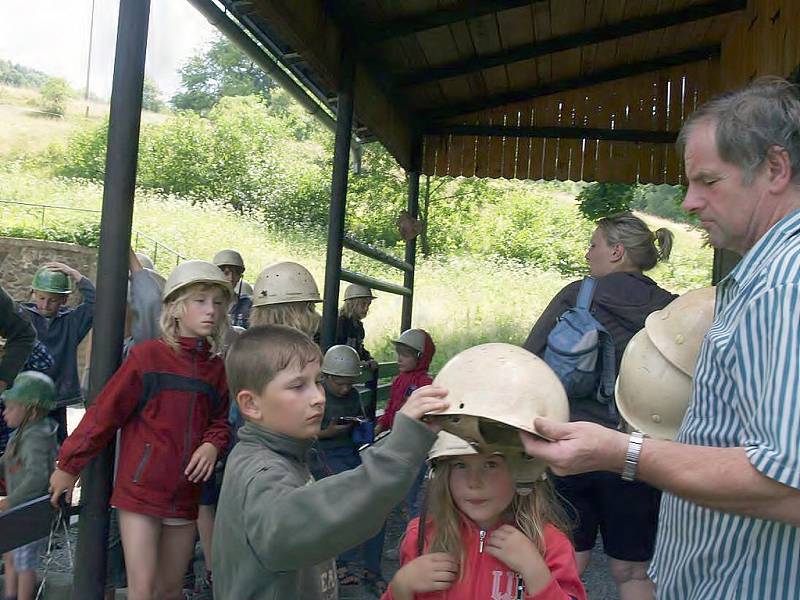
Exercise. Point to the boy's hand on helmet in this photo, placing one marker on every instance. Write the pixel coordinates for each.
(73, 274)
(576, 447)
(61, 482)
(201, 465)
(426, 400)
(427, 573)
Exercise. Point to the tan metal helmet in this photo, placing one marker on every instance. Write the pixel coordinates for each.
(145, 261)
(678, 329)
(358, 291)
(495, 390)
(652, 393)
(413, 338)
(191, 272)
(285, 282)
(522, 467)
(229, 257)
(341, 361)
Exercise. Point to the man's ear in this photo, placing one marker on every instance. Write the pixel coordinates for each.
(779, 168)
(248, 406)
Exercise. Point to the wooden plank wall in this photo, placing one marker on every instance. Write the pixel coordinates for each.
(653, 101)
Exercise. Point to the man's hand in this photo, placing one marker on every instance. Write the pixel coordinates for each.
(73, 274)
(427, 573)
(201, 465)
(425, 400)
(576, 447)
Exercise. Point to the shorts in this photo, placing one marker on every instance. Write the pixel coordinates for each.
(624, 512)
(175, 521)
(26, 558)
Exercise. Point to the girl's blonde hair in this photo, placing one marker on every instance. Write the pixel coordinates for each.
(529, 512)
(32, 414)
(299, 315)
(355, 308)
(639, 242)
(175, 307)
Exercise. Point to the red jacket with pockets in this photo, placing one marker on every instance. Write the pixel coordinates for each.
(166, 403)
(486, 578)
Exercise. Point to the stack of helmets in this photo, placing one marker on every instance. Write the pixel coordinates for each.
(654, 385)
(495, 391)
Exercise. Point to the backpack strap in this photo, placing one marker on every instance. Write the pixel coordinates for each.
(605, 388)
(586, 293)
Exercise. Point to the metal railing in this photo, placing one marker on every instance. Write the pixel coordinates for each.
(140, 242)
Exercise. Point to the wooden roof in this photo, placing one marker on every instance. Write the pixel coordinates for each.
(552, 89)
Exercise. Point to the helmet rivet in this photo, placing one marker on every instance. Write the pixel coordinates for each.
(680, 339)
(656, 418)
(461, 405)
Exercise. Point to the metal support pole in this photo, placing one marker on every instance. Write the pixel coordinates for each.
(411, 245)
(341, 163)
(112, 282)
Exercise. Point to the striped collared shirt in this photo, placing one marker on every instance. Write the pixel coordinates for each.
(746, 394)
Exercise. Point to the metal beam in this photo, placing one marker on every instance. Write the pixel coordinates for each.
(569, 42)
(411, 245)
(372, 252)
(375, 284)
(341, 163)
(612, 74)
(112, 282)
(570, 133)
(470, 9)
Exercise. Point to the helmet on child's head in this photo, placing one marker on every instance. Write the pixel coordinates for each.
(496, 390)
(51, 281)
(230, 258)
(678, 329)
(523, 469)
(355, 290)
(652, 393)
(413, 338)
(192, 272)
(341, 361)
(145, 261)
(285, 282)
(34, 389)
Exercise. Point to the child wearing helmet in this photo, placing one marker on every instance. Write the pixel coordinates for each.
(25, 466)
(170, 401)
(491, 529)
(285, 293)
(344, 421)
(61, 329)
(350, 326)
(231, 263)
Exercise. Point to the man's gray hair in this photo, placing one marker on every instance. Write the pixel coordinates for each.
(749, 122)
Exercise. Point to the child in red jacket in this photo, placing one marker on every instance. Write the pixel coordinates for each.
(170, 400)
(485, 536)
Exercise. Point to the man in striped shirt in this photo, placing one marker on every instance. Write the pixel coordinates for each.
(730, 518)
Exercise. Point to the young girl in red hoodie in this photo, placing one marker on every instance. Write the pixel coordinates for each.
(170, 400)
(485, 536)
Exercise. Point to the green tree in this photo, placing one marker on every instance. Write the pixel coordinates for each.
(219, 70)
(599, 200)
(55, 95)
(151, 96)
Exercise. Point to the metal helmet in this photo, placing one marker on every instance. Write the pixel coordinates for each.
(652, 393)
(678, 329)
(495, 390)
(341, 361)
(358, 291)
(51, 281)
(32, 388)
(522, 467)
(245, 289)
(145, 261)
(229, 258)
(194, 271)
(413, 338)
(285, 282)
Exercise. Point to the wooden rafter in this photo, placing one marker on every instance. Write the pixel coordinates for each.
(573, 133)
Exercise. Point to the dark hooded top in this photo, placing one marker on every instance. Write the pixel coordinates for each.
(621, 304)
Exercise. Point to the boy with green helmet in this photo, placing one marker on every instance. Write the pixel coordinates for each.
(61, 329)
(26, 467)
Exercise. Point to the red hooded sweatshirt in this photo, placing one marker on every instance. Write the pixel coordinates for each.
(407, 382)
(486, 578)
(166, 403)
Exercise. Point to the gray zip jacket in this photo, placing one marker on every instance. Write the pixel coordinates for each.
(277, 530)
(29, 459)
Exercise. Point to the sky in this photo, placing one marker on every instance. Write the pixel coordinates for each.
(53, 36)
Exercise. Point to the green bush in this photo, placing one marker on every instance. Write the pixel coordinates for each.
(83, 234)
(54, 96)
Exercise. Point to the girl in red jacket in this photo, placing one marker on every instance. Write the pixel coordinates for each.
(170, 401)
(484, 537)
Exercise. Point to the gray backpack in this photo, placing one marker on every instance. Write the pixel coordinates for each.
(581, 352)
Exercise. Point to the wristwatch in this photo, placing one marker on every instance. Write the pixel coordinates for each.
(632, 456)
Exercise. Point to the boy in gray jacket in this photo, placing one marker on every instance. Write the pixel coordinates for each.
(277, 530)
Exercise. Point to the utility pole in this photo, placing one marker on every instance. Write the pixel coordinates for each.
(89, 60)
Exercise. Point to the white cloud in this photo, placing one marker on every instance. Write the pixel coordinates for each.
(53, 36)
